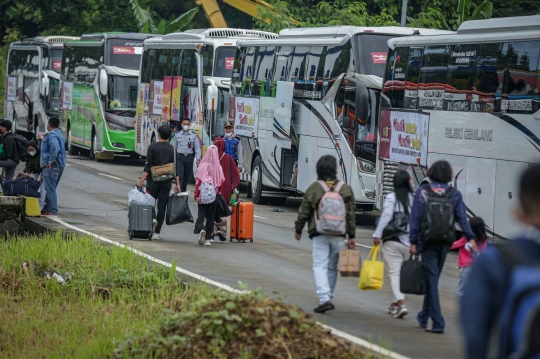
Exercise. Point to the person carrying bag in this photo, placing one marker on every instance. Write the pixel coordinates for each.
(372, 273)
(393, 233)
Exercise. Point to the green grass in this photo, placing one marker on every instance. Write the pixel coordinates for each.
(112, 293)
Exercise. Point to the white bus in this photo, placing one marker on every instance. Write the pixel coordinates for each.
(317, 92)
(476, 94)
(175, 70)
(33, 83)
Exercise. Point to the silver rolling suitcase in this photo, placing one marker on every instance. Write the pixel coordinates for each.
(141, 221)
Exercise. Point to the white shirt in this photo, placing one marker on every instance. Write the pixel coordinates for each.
(389, 207)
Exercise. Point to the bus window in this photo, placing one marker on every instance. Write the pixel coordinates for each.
(519, 83)
(237, 72)
(248, 69)
(410, 100)
(55, 59)
(396, 69)
(281, 69)
(124, 53)
(176, 57)
(262, 75)
(189, 68)
(208, 59)
(459, 78)
(297, 69)
(224, 61)
(433, 77)
(147, 65)
(337, 61)
(315, 61)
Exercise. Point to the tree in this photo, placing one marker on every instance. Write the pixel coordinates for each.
(481, 11)
(146, 23)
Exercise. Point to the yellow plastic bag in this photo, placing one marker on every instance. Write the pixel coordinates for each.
(372, 274)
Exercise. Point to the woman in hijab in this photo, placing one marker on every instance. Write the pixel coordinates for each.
(209, 178)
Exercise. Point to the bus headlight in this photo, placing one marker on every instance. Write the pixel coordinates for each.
(116, 127)
(364, 166)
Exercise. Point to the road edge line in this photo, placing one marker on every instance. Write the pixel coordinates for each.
(338, 333)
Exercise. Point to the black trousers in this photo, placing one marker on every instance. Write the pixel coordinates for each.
(160, 191)
(184, 169)
(208, 212)
(9, 168)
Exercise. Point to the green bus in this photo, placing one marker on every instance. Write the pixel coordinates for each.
(98, 93)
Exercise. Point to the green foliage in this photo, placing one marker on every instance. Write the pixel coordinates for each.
(146, 23)
(481, 11)
(431, 19)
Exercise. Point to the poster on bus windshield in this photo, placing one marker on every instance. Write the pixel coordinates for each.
(246, 121)
(67, 96)
(158, 97)
(176, 95)
(404, 137)
(166, 104)
(11, 88)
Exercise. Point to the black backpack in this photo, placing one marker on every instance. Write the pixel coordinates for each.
(438, 221)
(22, 146)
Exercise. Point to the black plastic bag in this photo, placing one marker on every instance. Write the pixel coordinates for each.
(222, 209)
(413, 277)
(178, 210)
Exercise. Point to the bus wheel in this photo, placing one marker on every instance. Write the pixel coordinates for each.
(256, 181)
(71, 149)
(93, 149)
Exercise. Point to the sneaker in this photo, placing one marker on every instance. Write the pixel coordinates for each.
(324, 307)
(208, 242)
(401, 312)
(202, 236)
(49, 214)
(392, 308)
(221, 236)
(154, 222)
(157, 236)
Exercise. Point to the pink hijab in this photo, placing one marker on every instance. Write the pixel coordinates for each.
(209, 169)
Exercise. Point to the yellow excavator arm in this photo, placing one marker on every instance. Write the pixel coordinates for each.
(215, 17)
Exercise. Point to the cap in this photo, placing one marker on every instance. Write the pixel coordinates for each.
(228, 124)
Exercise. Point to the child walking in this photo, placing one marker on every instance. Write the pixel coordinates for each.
(209, 181)
(466, 254)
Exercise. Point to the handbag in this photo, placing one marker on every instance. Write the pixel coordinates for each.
(372, 273)
(413, 277)
(178, 209)
(397, 226)
(163, 173)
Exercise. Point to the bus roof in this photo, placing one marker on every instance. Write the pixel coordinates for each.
(202, 34)
(335, 31)
(480, 31)
(53, 41)
(116, 35)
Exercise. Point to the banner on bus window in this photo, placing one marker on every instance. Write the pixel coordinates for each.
(166, 104)
(246, 121)
(57, 65)
(127, 50)
(158, 97)
(229, 63)
(176, 95)
(404, 137)
(11, 88)
(283, 111)
(66, 97)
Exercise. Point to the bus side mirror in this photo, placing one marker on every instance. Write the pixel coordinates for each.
(362, 102)
(103, 82)
(211, 97)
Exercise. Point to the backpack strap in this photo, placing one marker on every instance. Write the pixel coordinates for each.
(323, 185)
(338, 187)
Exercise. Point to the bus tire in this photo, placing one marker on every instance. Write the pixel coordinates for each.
(93, 151)
(71, 149)
(256, 181)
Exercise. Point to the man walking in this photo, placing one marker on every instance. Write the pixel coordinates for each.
(53, 162)
(10, 158)
(233, 146)
(188, 148)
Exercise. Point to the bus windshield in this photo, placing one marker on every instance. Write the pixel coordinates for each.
(54, 94)
(55, 63)
(123, 93)
(224, 61)
(372, 53)
(125, 53)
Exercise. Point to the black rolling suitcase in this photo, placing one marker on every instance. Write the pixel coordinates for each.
(141, 221)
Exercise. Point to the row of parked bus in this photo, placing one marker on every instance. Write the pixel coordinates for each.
(377, 98)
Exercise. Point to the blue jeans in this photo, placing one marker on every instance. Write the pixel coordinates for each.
(42, 192)
(51, 177)
(325, 265)
(434, 258)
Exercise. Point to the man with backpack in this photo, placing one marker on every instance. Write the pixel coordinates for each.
(52, 162)
(435, 209)
(503, 289)
(11, 158)
(328, 207)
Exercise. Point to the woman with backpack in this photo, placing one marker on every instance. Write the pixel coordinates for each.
(435, 208)
(33, 167)
(209, 179)
(396, 249)
(328, 207)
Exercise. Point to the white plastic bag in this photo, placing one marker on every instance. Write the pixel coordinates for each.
(135, 196)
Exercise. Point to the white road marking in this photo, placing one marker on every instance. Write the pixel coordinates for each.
(338, 333)
(259, 217)
(116, 178)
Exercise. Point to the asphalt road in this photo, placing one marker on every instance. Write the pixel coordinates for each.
(93, 196)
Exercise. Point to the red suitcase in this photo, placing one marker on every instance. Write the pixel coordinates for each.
(242, 221)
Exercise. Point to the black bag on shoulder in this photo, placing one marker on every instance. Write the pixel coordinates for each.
(438, 220)
(413, 277)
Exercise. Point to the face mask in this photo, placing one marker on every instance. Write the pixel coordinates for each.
(32, 153)
(229, 134)
(186, 128)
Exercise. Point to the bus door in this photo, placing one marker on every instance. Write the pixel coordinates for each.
(283, 146)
